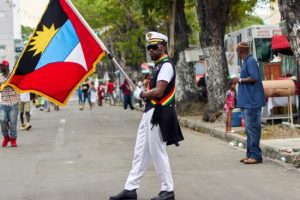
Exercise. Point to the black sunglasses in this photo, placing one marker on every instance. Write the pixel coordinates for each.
(152, 46)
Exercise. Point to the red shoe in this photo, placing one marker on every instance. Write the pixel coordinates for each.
(13, 142)
(5, 141)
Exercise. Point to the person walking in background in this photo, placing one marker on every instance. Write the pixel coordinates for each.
(140, 85)
(56, 107)
(47, 104)
(100, 93)
(8, 109)
(251, 99)
(159, 125)
(37, 101)
(33, 98)
(79, 93)
(85, 87)
(24, 108)
(41, 103)
(93, 93)
(110, 92)
(126, 94)
(229, 105)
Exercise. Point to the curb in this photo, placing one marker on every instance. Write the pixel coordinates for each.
(216, 131)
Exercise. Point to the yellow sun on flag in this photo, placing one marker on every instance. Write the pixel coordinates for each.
(42, 39)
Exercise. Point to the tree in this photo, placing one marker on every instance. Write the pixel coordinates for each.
(130, 22)
(245, 22)
(290, 13)
(191, 15)
(26, 32)
(169, 17)
(213, 20)
(126, 29)
(186, 87)
(239, 10)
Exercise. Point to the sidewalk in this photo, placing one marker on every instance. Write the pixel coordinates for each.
(280, 149)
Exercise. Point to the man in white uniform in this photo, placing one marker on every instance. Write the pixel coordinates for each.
(159, 126)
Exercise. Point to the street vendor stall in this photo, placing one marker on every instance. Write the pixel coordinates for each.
(280, 93)
(281, 88)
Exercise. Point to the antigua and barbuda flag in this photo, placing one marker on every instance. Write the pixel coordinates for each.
(60, 54)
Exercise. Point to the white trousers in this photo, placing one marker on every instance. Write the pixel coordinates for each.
(149, 145)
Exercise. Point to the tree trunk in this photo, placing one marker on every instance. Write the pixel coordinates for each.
(182, 30)
(186, 91)
(186, 87)
(172, 29)
(212, 19)
(290, 12)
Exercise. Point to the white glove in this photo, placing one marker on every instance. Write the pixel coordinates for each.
(137, 92)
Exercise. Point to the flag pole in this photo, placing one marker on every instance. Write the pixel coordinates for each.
(110, 56)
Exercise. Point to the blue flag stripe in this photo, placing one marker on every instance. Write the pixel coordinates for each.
(61, 45)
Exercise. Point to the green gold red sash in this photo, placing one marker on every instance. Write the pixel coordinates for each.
(166, 100)
(162, 59)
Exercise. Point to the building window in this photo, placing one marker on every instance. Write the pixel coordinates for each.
(2, 14)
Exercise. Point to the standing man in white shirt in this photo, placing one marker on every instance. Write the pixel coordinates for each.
(24, 108)
(159, 126)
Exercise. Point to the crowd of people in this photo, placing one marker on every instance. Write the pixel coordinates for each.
(88, 92)
(111, 92)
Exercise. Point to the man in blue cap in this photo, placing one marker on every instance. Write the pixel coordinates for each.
(159, 126)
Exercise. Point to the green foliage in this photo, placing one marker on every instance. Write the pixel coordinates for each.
(240, 9)
(242, 13)
(155, 13)
(26, 32)
(125, 22)
(248, 20)
(191, 15)
(126, 29)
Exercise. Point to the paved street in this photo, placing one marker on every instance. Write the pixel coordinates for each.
(80, 155)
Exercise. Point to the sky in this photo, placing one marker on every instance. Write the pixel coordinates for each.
(31, 11)
(270, 16)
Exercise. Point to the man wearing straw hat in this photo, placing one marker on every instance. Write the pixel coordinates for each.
(159, 125)
(250, 99)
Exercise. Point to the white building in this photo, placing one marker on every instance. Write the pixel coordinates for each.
(7, 49)
(17, 21)
(10, 29)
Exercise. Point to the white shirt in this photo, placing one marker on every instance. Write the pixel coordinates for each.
(25, 96)
(93, 96)
(166, 72)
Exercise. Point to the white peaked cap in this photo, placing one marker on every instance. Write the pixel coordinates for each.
(155, 37)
